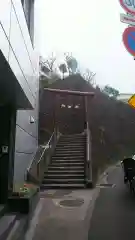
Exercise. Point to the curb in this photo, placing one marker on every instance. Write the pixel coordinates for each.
(103, 176)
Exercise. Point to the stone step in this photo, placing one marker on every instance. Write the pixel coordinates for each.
(68, 164)
(69, 145)
(63, 154)
(62, 186)
(55, 172)
(63, 180)
(72, 157)
(70, 148)
(73, 137)
(68, 154)
(71, 141)
(68, 157)
(63, 176)
(66, 151)
(67, 161)
(66, 168)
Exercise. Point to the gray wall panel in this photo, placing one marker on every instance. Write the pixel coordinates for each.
(23, 120)
(24, 142)
(21, 163)
(24, 63)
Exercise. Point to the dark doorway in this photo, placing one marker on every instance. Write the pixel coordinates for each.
(7, 143)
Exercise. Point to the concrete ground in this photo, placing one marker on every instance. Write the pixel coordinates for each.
(52, 220)
(71, 221)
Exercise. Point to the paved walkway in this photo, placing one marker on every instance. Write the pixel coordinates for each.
(52, 220)
(114, 213)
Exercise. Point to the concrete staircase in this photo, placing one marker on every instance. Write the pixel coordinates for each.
(66, 169)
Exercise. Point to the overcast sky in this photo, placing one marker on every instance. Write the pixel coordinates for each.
(92, 31)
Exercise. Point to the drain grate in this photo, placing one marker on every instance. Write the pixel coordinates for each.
(72, 202)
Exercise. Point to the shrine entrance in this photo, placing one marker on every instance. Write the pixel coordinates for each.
(70, 110)
(70, 115)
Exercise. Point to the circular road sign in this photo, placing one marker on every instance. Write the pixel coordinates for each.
(129, 40)
(128, 5)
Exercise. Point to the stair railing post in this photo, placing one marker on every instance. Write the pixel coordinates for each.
(88, 148)
(86, 129)
(54, 110)
(56, 114)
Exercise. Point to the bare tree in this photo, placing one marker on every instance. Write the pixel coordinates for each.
(71, 62)
(63, 69)
(48, 71)
(50, 62)
(89, 76)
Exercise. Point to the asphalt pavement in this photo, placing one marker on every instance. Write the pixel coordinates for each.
(113, 217)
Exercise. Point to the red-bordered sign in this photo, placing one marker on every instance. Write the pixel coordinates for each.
(128, 5)
(129, 40)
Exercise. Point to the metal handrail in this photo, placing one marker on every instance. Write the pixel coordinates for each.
(33, 158)
(35, 166)
(46, 147)
(88, 143)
